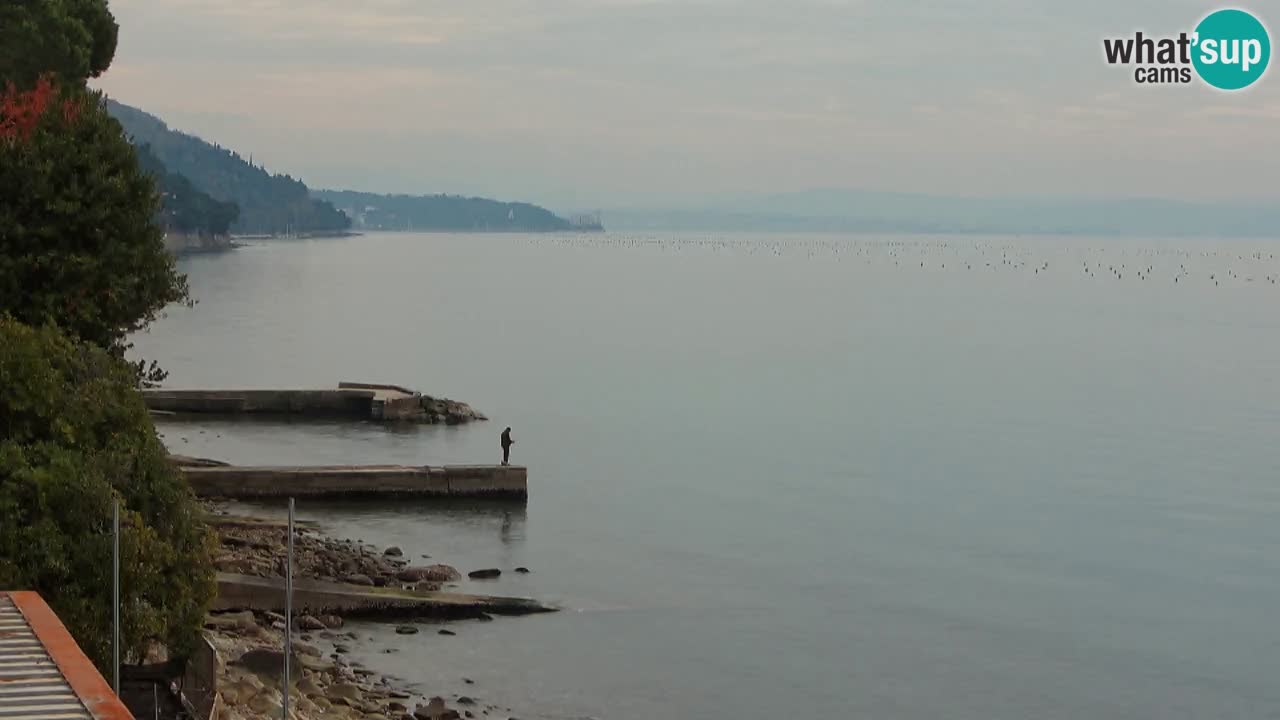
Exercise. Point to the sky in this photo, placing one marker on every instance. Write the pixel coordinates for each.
(621, 103)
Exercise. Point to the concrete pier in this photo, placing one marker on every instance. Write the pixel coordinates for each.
(246, 592)
(359, 480)
(363, 401)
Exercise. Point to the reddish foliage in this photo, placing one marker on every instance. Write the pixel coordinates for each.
(20, 111)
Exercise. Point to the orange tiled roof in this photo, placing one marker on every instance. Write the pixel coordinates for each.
(43, 673)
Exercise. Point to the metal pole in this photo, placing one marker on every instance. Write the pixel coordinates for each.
(288, 617)
(115, 596)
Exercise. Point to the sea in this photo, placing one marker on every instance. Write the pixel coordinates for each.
(890, 477)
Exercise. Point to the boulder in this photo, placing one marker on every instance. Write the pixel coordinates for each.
(238, 692)
(406, 630)
(486, 574)
(393, 551)
(306, 622)
(265, 704)
(315, 664)
(263, 661)
(307, 649)
(358, 579)
(346, 691)
(309, 687)
(435, 709)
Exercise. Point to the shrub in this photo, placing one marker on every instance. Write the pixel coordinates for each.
(74, 435)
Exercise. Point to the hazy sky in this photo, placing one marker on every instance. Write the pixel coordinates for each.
(587, 103)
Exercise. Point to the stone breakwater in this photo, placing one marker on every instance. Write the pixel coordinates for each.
(358, 401)
(327, 684)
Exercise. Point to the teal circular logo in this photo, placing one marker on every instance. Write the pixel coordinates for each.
(1232, 49)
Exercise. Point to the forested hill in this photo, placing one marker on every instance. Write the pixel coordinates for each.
(269, 204)
(443, 212)
(183, 207)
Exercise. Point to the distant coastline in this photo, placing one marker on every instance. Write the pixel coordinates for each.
(195, 243)
(209, 190)
(297, 235)
(451, 213)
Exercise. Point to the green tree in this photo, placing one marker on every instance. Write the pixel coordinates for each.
(78, 243)
(81, 266)
(71, 39)
(74, 435)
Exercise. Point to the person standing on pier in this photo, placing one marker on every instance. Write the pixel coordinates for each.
(507, 442)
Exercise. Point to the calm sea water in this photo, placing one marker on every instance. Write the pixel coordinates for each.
(814, 476)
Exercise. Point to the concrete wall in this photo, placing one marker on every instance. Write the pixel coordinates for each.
(246, 592)
(357, 403)
(321, 481)
(409, 408)
(374, 386)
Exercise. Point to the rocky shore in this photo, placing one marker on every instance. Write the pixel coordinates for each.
(443, 411)
(255, 547)
(327, 684)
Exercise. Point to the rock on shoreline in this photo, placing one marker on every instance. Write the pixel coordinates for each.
(448, 412)
(249, 548)
(251, 667)
(248, 643)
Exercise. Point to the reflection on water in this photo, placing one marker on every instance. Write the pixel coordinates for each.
(333, 426)
(258, 440)
(508, 515)
(781, 476)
